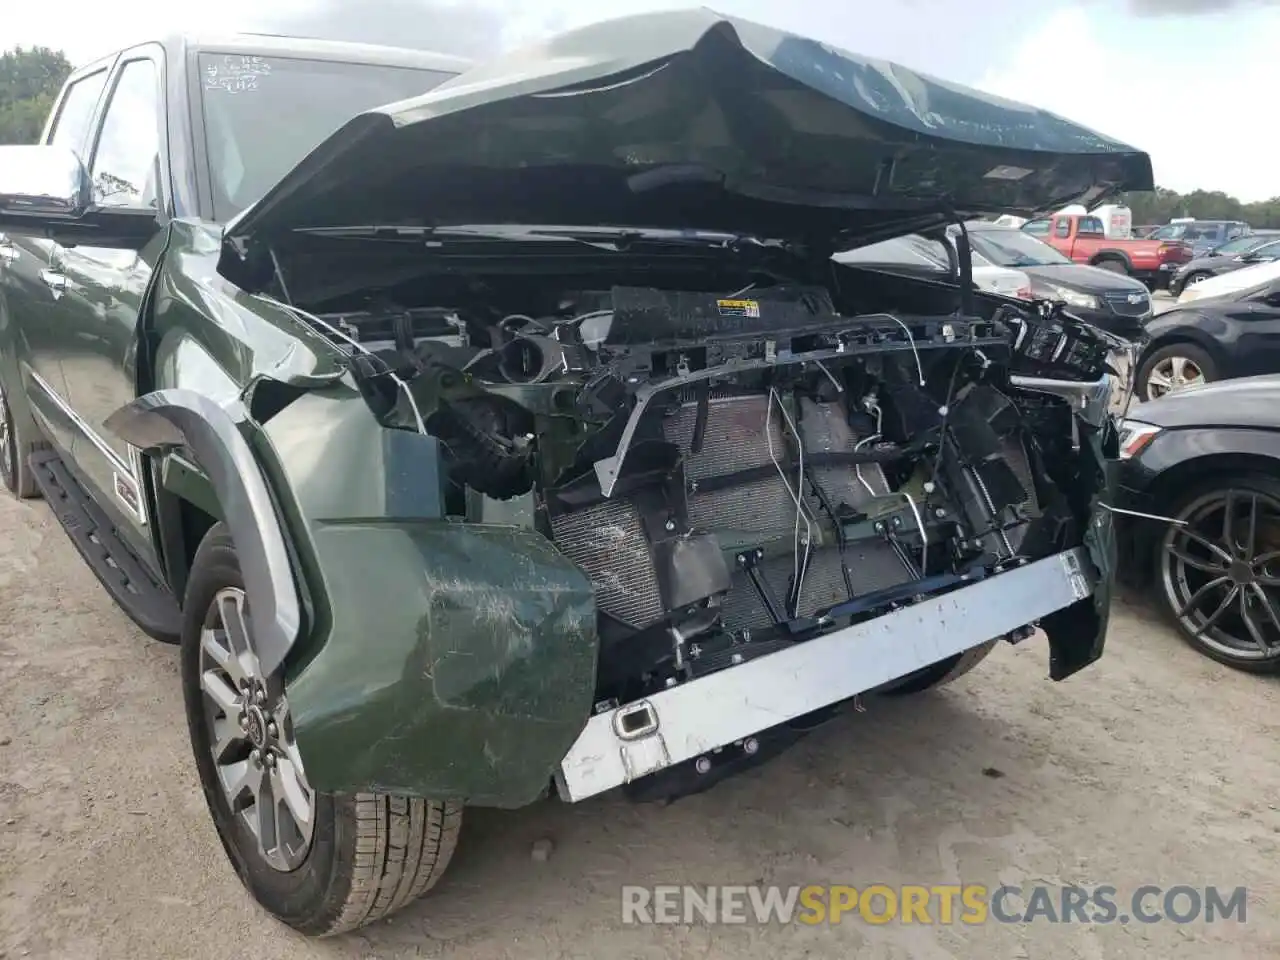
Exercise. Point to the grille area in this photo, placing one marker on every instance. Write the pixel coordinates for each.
(873, 565)
(608, 542)
(735, 439)
(1118, 302)
(1015, 454)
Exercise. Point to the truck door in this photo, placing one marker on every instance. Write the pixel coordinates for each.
(104, 289)
(31, 291)
(1062, 236)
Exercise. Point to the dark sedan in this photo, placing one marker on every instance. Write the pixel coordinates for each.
(1232, 255)
(1233, 335)
(1110, 301)
(1198, 520)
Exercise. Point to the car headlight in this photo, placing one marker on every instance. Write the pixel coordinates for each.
(1135, 436)
(1072, 298)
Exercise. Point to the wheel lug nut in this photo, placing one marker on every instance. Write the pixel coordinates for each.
(260, 697)
(273, 730)
(244, 721)
(256, 756)
(269, 759)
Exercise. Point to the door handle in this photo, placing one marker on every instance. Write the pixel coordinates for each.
(54, 280)
(57, 282)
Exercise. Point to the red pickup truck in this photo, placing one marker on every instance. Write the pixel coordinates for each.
(1082, 238)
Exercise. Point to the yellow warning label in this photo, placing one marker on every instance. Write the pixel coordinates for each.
(738, 308)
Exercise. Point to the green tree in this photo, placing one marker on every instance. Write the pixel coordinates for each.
(1163, 205)
(29, 83)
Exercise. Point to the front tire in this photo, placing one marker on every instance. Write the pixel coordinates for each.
(15, 448)
(1218, 572)
(321, 864)
(1173, 368)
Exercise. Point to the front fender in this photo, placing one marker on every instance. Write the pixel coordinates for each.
(1177, 448)
(1078, 634)
(448, 659)
(1182, 324)
(167, 419)
(459, 661)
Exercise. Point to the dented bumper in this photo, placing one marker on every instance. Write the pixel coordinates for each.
(696, 718)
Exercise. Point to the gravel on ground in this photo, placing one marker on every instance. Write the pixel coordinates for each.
(1154, 766)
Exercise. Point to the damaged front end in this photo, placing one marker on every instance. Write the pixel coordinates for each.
(687, 480)
(768, 498)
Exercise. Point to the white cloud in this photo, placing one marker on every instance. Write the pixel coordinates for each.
(1202, 109)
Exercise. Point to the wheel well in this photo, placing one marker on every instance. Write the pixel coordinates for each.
(1163, 493)
(182, 525)
(1171, 340)
(1109, 255)
(1180, 477)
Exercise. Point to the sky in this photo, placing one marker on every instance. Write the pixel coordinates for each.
(1172, 77)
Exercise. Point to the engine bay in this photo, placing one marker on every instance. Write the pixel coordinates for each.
(739, 470)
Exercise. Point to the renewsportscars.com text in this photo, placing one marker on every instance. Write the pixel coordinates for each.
(937, 904)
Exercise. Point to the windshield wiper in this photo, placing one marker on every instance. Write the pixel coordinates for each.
(611, 239)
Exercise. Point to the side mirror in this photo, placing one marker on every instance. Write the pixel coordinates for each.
(48, 183)
(46, 191)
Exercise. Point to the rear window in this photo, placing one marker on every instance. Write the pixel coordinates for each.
(1090, 227)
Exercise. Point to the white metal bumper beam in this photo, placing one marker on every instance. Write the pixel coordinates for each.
(688, 720)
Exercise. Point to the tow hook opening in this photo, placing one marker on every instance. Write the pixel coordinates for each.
(635, 721)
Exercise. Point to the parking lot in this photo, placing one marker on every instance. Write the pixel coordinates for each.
(1154, 766)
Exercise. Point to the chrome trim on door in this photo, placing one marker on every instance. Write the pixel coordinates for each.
(128, 472)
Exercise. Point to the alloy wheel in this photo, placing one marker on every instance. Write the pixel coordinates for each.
(1171, 374)
(251, 737)
(1221, 573)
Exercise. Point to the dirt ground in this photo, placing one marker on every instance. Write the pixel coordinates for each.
(1154, 766)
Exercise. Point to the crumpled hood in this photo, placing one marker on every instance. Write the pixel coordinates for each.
(691, 119)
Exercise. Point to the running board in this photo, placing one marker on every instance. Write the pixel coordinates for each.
(694, 719)
(148, 603)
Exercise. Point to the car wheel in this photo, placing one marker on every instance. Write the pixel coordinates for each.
(322, 864)
(1175, 367)
(1218, 571)
(15, 448)
(1115, 266)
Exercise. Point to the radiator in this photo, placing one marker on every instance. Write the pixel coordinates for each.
(607, 541)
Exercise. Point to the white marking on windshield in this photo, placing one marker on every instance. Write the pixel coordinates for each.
(235, 73)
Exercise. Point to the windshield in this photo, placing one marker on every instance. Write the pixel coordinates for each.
(912, 252)
(262, 115)
(1240, 245)
(1013, 248)
(1191, 232)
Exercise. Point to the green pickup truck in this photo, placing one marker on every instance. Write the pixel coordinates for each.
(489, 433)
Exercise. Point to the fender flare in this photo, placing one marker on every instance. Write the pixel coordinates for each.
(1111, 253)
(172, 418)
(1180, 446)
